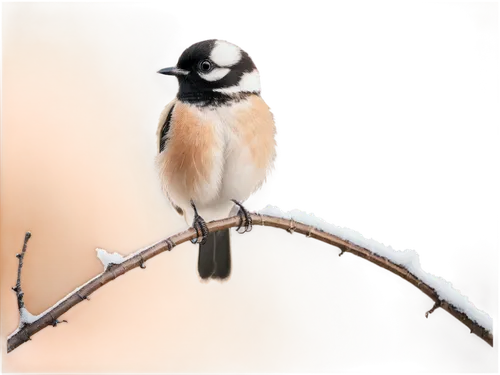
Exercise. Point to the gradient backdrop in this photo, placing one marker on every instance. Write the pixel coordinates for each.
(80, 101)
(387, 117)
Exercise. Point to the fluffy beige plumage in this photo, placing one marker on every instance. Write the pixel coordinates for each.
(216, 142)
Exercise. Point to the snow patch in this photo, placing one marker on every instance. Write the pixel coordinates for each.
(109, 258)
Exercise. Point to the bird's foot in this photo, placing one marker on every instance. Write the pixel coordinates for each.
(200, 226)
(245, 219)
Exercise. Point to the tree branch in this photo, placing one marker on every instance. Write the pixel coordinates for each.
(17, 288)
(137, 259)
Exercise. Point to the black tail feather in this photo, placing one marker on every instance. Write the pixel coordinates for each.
(214, 259)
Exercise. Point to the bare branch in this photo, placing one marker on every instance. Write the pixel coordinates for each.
(25, 317)
(139, 258)
(17, 288)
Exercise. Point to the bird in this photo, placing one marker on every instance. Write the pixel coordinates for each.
(216, 145)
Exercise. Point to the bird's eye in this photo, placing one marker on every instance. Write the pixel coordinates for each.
(205, 66)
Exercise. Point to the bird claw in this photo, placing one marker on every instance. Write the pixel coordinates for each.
(200, 226)
(245, 219)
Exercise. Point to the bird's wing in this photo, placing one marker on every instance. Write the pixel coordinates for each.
(162, 136)
(177, 209)
(164, 125)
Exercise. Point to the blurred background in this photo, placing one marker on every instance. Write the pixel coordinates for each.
(80, 98)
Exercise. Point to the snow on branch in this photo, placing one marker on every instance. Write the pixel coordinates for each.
(107, 259)
(405, 264)
(25, 317)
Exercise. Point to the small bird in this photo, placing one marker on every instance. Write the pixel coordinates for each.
(216, 144)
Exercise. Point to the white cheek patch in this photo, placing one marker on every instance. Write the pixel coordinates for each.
(249, 82)
(225, 54)
(215, 75)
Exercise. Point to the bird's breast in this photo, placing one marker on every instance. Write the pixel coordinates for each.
(213, 152)
(188, 165)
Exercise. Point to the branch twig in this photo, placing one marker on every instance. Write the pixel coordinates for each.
(138, 259)
(17, 288)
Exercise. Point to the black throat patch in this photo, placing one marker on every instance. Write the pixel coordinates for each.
(211, 98)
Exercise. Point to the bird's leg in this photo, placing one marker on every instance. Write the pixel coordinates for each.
(245, 219)
(199, 226)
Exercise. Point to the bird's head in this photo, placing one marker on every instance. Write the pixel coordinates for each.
(214, 71)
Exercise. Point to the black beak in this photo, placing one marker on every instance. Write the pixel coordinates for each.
(173, 71)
